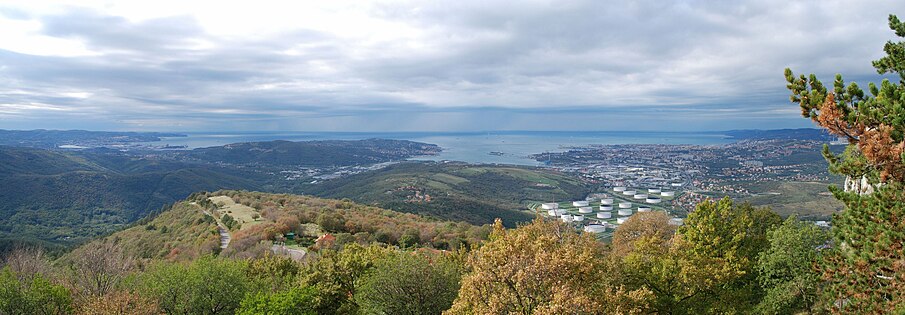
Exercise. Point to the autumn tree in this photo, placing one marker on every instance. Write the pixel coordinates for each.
(706, 267)
(864, 269)
(642, 225)
(543, 267)
(98, 269)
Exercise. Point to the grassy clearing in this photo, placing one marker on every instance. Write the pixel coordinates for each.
(805, 199)
(245, 215)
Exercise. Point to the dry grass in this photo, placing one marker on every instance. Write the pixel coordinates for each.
(241, 213)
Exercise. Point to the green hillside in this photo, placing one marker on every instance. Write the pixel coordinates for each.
(67, 197)
(455, 191)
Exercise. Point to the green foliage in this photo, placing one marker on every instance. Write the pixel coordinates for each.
(275, 272)
(190, 234)
(292, 301)
(35, 296)
(409, 283)
(786, 269)
(205, 286)
(459, 191)
(335, 274)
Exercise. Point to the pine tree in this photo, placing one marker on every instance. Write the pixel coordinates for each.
(865, 269)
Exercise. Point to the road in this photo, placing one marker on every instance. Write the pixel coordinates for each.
(295, 254)
(224, 233)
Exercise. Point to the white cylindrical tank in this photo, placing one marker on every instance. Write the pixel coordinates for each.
(604, 215)
(595, 228)
(549, 206)
(606, 208)
(552, 213)
(585, 210)
(581, 203)
(654, 190)
(653, 200)
(625, 212)
(625, 205)
(621, 220)
(577, 218)
(640, 196)
(668, 193)
(629, 192)
(566, 217)
(644, 209)
(606, 201)
(676, 221)
(619, 189)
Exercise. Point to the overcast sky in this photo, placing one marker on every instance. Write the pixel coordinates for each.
(425, 65)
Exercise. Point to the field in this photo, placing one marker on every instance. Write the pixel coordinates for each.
(243, 214)
(809, 200)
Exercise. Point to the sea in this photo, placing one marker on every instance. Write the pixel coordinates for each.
(500, 147)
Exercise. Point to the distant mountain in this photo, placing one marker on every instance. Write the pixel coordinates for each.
(795, 134)
(49, 139)
(455, 191)
(314, 153)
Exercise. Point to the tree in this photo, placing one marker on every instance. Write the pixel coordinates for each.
(786, 269)
(206, 286)
(98, 268)
(864, 270)
(335, 273)
(35, 295)
(707, 267)
(543, 267)
(641, 225)
(875, 123)
(409, 283)
(292, 301)
(118, 302)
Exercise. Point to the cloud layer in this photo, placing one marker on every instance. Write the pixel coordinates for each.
(414, 66)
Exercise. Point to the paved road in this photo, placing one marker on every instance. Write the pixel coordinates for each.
(295, 254)
(224, 233)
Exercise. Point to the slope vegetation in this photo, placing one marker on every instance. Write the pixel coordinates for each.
(456, 191)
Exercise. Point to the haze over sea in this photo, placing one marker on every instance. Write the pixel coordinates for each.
(508, 147)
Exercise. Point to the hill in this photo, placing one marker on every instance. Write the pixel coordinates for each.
(186, 232)
(314, 153)
(455, 191)
(69, 196)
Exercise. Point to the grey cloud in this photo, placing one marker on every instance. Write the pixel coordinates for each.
(488, 65)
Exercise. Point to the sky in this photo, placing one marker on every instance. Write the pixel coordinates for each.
(425, 65)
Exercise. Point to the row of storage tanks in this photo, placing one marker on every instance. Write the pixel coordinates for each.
(606, 208)
(649, 197)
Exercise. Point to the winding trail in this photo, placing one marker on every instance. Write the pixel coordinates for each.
(224, 233)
